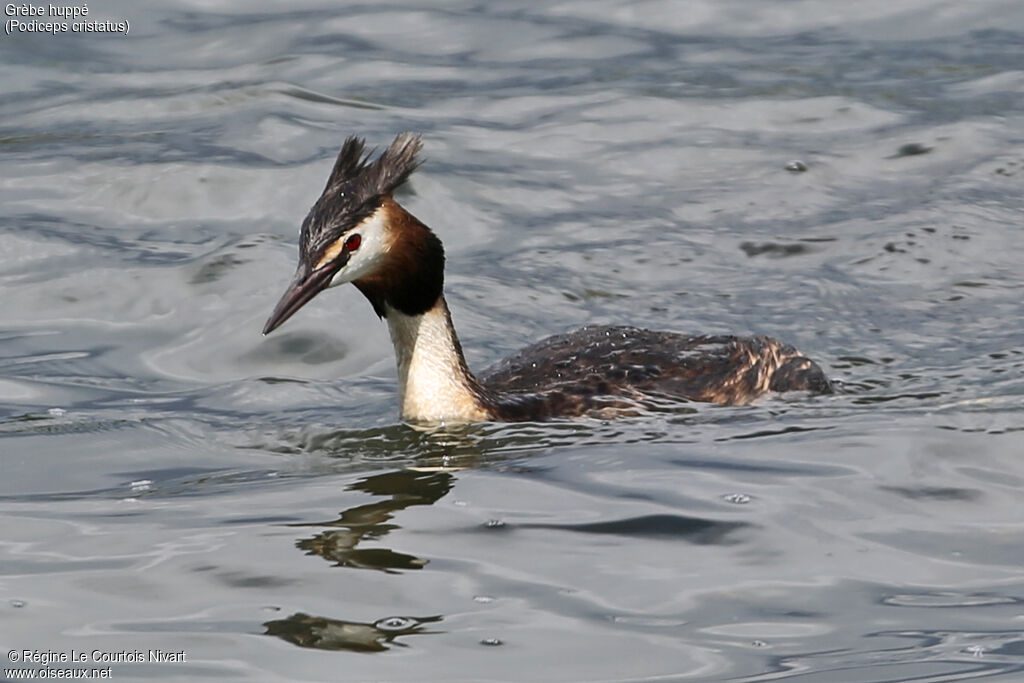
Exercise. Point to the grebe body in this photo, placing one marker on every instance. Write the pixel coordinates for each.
(356, 232)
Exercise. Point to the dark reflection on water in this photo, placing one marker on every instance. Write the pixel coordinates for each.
(456, 446)
(323, 633)
(935, 492)
(691, 529)
(404, 489)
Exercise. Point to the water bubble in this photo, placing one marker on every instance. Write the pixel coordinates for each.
(395, 623)
(459, 503)
(57, 412)
(483, 599)
(736, 498)
(975, 650)
(141, 485)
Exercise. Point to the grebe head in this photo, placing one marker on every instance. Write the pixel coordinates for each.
(357, 233)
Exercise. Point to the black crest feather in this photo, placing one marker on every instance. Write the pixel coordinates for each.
(350, 161)
(357, 186)
(380, 177)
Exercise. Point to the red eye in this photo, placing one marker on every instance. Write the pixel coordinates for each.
(353, 242)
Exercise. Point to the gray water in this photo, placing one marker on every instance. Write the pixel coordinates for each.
(172, 480)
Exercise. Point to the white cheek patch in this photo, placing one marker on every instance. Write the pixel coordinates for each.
(373, 247)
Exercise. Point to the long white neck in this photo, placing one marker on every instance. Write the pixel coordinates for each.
(434, 384)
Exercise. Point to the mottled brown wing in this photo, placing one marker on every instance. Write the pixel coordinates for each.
(626, 361)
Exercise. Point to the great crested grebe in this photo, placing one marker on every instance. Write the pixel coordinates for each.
(357, 233)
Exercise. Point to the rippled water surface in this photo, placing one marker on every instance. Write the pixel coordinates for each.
(172, 480)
